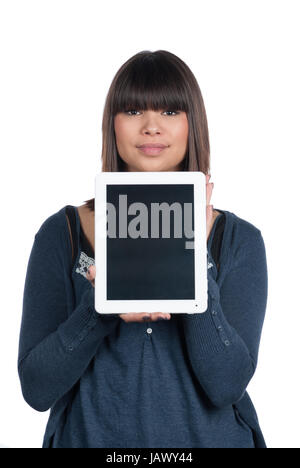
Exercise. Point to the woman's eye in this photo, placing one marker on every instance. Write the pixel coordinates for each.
(126, 112)
(174, 112)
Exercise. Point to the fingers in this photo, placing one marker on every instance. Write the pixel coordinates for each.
(157, 315)
(145, 317)
(209, 189)
(209, 218)
(91, 274)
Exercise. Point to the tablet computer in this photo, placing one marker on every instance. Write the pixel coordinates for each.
(150, 242)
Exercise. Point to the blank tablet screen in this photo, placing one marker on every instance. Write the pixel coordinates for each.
(148, 267)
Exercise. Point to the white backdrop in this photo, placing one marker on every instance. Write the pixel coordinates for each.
(58, 58)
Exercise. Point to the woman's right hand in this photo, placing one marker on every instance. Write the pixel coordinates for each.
(135, 316)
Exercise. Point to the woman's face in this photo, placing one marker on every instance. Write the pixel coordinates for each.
(134, 128)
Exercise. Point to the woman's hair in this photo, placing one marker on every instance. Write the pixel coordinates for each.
(156, 80)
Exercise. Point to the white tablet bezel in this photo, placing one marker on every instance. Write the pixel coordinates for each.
(197, 305)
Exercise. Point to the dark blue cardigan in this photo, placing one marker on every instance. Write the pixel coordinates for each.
(113, 384)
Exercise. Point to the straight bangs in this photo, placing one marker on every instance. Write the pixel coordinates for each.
(149, 85)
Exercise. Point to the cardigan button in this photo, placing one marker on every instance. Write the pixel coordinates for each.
(227, 343)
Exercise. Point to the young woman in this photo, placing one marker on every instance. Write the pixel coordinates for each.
(133, 380)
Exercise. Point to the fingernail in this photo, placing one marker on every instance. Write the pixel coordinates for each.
(161, 318)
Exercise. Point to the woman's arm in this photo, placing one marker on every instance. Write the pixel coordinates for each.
(54, 349)
(223, 342)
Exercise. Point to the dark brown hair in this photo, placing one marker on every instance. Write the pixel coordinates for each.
(156, 80)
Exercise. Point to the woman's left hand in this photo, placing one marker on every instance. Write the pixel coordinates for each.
(209, 208)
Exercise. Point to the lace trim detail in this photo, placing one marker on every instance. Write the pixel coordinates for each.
(84, 263)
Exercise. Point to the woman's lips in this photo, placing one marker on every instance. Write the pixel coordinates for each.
(152, 150)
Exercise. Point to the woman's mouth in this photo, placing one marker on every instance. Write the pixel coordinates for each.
(152, 150)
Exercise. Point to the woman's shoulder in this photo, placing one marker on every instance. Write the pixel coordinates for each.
(245, 228)
(53, 225)
(238, 222)
(238, 231)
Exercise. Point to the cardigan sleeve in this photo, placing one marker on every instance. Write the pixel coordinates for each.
(223, 342)
(54, 348)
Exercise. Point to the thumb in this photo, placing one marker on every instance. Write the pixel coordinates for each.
(91, 272)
